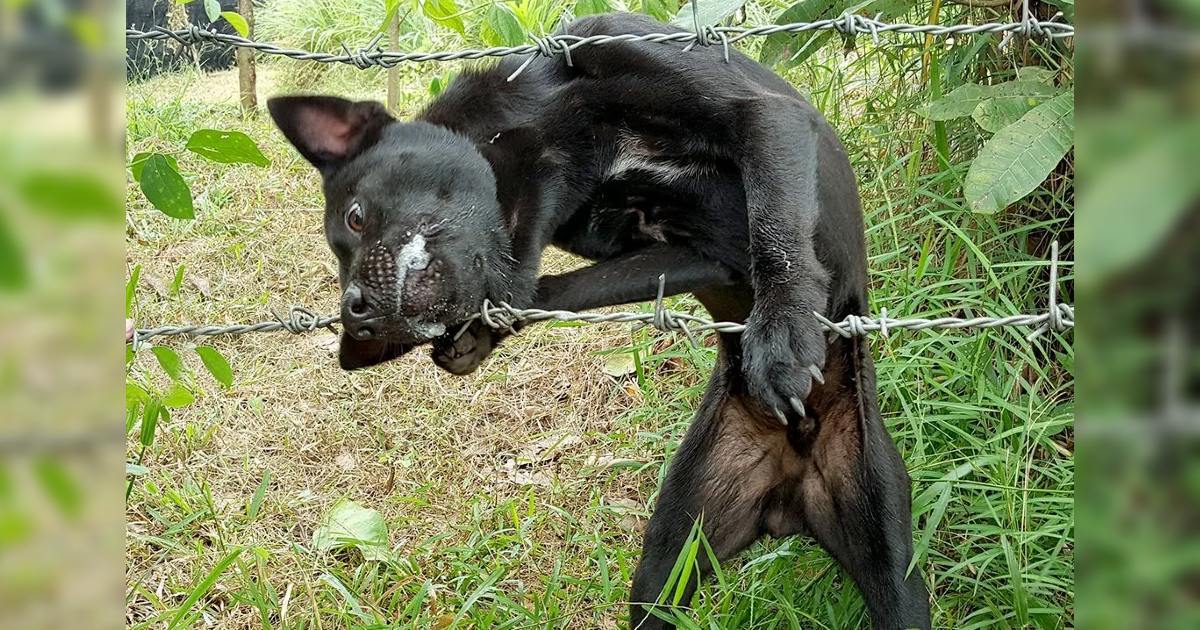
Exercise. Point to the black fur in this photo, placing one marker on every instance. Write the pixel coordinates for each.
(647, 160)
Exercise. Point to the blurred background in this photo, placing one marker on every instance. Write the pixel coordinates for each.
(62, 270)
(1139, 393)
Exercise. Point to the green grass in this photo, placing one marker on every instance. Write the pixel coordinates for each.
(489, 527)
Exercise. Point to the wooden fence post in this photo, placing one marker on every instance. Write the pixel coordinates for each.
(247, 78)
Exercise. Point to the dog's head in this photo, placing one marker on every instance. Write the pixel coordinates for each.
(411, 214)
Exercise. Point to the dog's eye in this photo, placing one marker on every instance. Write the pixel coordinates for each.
(355, 218)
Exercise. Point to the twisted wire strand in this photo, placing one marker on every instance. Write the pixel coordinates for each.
(502, 316)
(375, 55)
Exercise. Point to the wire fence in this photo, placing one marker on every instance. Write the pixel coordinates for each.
(375, 55)
(1057, 316)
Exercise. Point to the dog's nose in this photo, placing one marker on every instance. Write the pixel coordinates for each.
(357, 313)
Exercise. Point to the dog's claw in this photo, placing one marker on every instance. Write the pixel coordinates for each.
(817, 375)
(797, 406)
(780, 417)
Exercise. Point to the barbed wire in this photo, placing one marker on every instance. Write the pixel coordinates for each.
(373, 54)
(1057, 317)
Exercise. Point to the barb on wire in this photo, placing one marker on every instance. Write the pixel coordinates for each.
(563, 44)
(502, 316)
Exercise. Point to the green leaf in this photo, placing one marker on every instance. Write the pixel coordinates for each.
(170, 362)
(961, 101)
(993, 106)
(501, 27)
(444, 12)
(212, 8)
(135, 470)
(592, 7)
(619, 364)
(14, 271)
(1035, 73)
(791, 49)
(259, 494)
(711, 12)
(178, 397)
(658, 9)
(226, 147)
(202, 588)
(1152, 174)
(58, 484)
(238, 22)
(350, 525)
(1008, 102)
(70, 195)
(131, 289)
(216, 364)
(164, 187)
(139, 160)
(1015, 160)
(390, 8)
(150, 416)
(177, 281)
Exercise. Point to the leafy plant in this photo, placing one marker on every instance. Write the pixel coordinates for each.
(157, 174)
(1033, 125)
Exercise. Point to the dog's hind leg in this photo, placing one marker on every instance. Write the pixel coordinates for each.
(725, 467)
(853, 493)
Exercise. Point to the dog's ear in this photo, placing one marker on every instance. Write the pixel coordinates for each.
(354, 354)
(328, 130)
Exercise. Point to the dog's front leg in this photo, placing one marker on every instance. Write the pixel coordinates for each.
(630, 277)
(783, 345)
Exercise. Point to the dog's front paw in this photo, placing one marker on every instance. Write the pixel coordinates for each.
(462, 355)
(781, 357)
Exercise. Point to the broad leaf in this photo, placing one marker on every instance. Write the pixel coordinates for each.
(73, 195)
(592, 7)
(170, 362)
(216, 365)
(14, 271)
(164, 187)
(710, 12)
(1035, 73)
(350, 525)
(444, 12)
(501, 27)
(139, 160)
(1008, 102)
(179, 396)
(212, 9)
(1138, 197)
(1014, 161)
(226, 147)
(238, 22)
(961, 101)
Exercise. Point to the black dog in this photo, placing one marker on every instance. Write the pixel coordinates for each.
(648, 160)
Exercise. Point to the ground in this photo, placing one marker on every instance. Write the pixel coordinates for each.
(515, 497)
